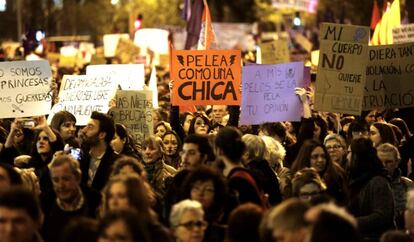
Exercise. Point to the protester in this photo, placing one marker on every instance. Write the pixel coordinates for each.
(207, 187)
(187, 221)
(254, 160)
(64, 122)
(173, 147)
(20, 216)
(200, 124)
(307, 184)
(161, 128)
(371, 199)
(123, 225)
(337, 149)
(9, 177)
(314, 154)
(81, 229)
(95, 139)
(390, 158)
(69, 200)
(156, 169)
(123, 143)
(128, 192)
(332, 223)
(229, 147)
(218, 112)
(286, 222)
(381, 133)
(244, 223)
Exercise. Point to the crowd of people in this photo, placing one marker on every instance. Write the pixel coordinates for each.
(202, 177)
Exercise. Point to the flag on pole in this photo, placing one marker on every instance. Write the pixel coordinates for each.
(390, 19)
(207, 37)
(376, 15)
(194, 24)
(153, 87)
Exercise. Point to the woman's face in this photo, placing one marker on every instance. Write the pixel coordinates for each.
(191, 227)
(335, 150)
(18, 137)
(151, 153)
(318, 159)
(374, 135)
(203, 191)
(170, 144)
(67, 130)
(200, 127)
(42, 143)
(117, 144)
(187, 122)
(308, 191)
(371, 117)
(117, 196)
(116, 232)
(160, 130)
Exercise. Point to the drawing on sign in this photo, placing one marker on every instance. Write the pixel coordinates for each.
(16, 108)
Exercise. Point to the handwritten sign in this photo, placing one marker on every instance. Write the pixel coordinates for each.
(81, 95)
(25, 88)
(403, 34)
(128, 76)
(269, 93)
(134, 110)
(203, 77)
(275, 52)
(341, 71)
(111, 43)
(127, 51)
(390, 75)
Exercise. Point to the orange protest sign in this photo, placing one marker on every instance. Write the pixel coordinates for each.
(206, 77)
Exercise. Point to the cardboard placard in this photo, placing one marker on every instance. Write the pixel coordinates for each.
(341, 71)
(403, 34)
(269, 93)
(390, 75)
(25, 88)
(134, 110)
(81, 95)
(206, 77)
(275, 52)
(128, 76)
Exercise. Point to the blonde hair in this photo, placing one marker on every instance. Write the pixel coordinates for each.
(275, 152)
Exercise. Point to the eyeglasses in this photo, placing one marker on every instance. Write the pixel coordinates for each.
(333, 147)
(201, 224)
(307, 195)
(202, 189)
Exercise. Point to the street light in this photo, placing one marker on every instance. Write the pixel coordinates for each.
(114, 2)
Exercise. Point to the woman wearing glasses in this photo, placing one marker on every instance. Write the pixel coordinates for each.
(336, 146)
(187, 221)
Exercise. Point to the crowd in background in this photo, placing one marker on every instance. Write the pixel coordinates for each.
(202, 177)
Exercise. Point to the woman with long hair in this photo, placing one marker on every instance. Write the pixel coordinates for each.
(123, 143)
(129, 192)
(314, 154)
(371, 199)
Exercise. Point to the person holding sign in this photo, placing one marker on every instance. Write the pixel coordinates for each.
(47, 142)
(65, 123)
(19, 141)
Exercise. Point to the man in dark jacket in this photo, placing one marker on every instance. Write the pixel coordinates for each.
(98, 158)
(69, 200)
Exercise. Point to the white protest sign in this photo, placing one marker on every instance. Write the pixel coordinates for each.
(81, 95)
(25, 88)
(403, 34)
(128, 76)
(111, 43)
(134, 110)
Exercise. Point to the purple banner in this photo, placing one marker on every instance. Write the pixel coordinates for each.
(268, 93)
